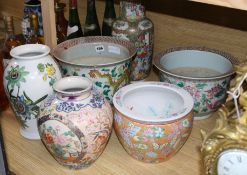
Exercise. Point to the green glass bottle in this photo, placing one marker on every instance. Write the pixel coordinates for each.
(109, 17)
(74, 26)
(92, 27)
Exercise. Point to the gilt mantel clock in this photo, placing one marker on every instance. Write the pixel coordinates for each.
(224, 149)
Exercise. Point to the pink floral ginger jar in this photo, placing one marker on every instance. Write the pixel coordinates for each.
(75, 123)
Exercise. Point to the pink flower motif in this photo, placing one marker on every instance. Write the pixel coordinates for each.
(214, 90)
(60, 139)
(193, 91)
(148, 132)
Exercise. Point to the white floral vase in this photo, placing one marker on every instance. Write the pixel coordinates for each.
(75, 123)
(28, 80)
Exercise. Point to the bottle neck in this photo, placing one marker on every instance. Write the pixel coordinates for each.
(132, 10)
(109, 9)
(60, 12)
(60, 16)
(73, 4)
(91, 10)
(91, 23)
(73, 13)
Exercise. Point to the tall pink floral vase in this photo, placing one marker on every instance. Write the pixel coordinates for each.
(75, 124)
(28, 81)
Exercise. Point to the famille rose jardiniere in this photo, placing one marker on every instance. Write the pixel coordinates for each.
(152, 120)
(104, 60)
(28, 81)
(75, 123)
(205, 73)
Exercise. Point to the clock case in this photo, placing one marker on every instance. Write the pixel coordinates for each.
(230, 131)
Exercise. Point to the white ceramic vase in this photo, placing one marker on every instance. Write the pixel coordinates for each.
(28, 80)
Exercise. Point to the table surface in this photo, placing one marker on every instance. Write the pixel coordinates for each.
(28, 157)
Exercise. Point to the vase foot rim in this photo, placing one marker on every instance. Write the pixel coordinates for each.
(28, 135)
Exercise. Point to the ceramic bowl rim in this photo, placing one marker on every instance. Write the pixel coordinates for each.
(95, 40)
(188, 105)
(229, 57)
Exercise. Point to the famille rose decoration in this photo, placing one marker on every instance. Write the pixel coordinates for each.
(133, 25)
(205, 73)
(28, 80)
(104, 60)
(152, 120)
(75, 123)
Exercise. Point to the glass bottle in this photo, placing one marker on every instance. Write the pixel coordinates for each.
(109, 17)
(10, 40)
(74, 26)
(61, 22)
(34, 29)
(91, 27)
(135, 27)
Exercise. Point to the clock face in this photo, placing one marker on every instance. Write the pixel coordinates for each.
(232, 162)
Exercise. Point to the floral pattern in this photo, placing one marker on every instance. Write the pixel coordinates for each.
(132, 11)
(25, 108)
(152, 142)
(207, 95)
(62, 141)
(48, 72)
(75, 132)
(16, 76)
(133, 17)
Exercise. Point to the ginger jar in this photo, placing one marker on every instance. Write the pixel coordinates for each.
(75, 123)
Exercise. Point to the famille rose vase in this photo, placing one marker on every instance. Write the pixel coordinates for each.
(28, 81)
(75, 123)
(134, 26)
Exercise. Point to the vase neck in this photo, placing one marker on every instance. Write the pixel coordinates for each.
(73, 88)
(30, 51)
(132, 10)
